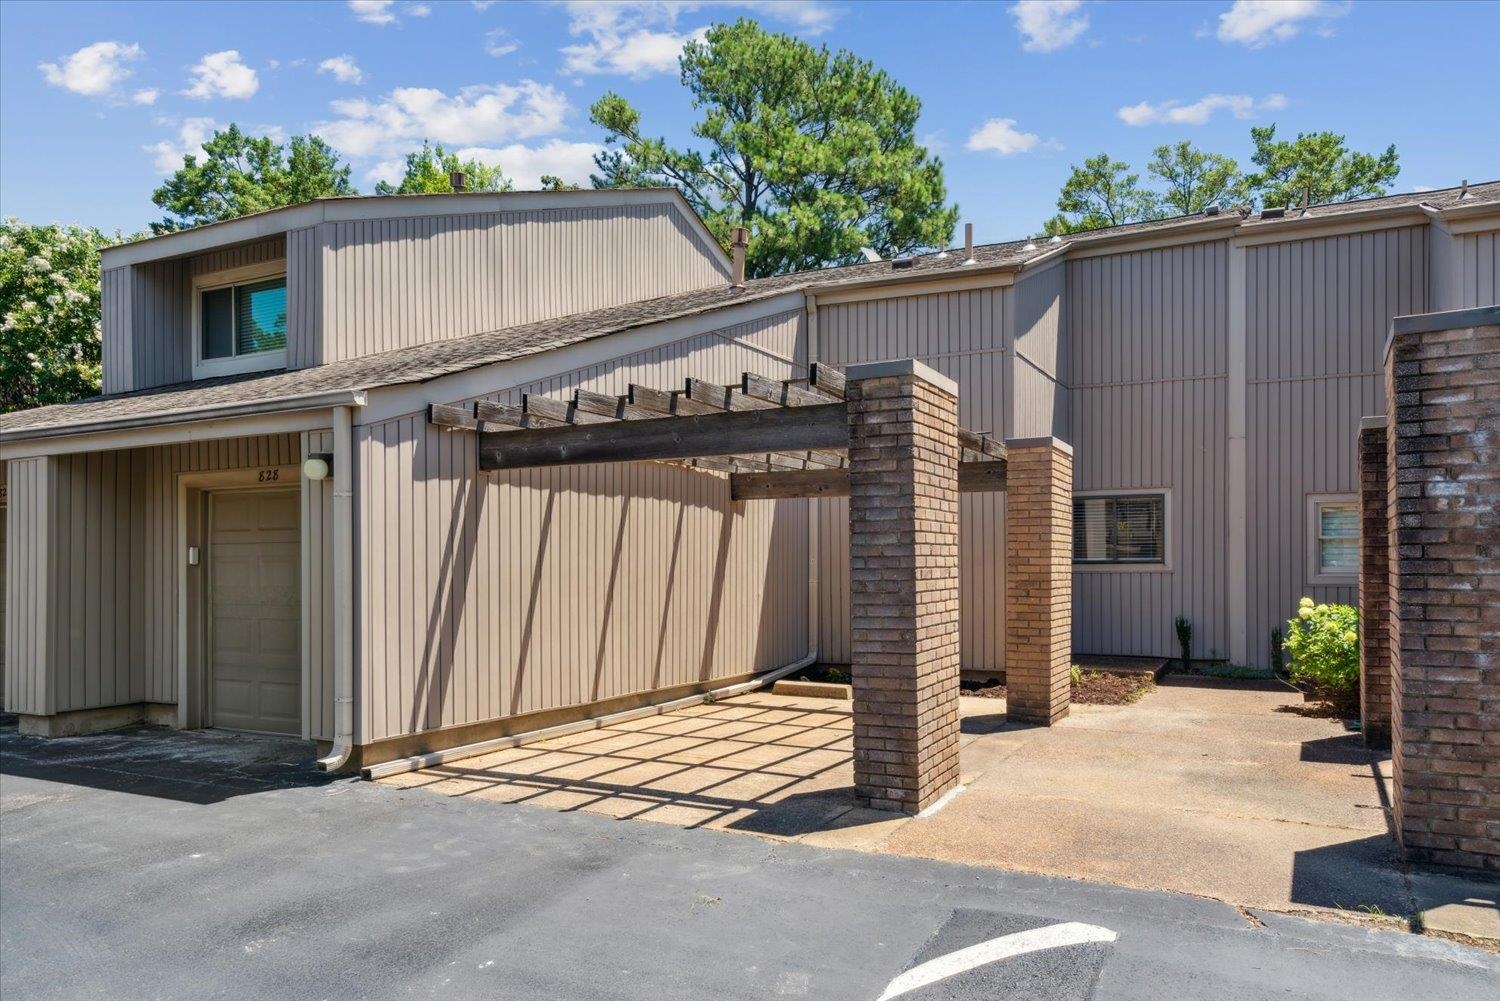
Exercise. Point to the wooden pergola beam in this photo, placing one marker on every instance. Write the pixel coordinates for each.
(973, 477)
(781, 429)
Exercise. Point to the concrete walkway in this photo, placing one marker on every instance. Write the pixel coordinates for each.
(1202, 787)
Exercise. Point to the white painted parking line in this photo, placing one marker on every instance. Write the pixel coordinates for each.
(996, 949)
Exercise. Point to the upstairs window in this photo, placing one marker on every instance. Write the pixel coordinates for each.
(1335, 537)
(244, 319)
(240, 320)
(1120, 529)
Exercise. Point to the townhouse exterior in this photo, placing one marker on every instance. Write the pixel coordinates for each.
(168, 556)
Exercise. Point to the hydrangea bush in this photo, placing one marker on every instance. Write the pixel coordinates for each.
(1324, 643)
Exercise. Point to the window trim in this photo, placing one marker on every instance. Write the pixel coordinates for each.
(260, 361)
(1165, 565)
(1315, 572)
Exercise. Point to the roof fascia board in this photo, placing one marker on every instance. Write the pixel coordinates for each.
(205, 414)
(390, 402)
(1312, 228)
(1464, 219)
(275, 222)
(906, 286)
(170, 434)
(1082, 246)
(1149, 242)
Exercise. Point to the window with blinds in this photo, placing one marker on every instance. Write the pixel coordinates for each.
(244, 319)
(1124, 529)
(1337, 524)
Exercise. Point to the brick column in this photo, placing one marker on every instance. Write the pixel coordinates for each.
(1038, 580)
(1443, 466)
(1374, 590)
(903, 582)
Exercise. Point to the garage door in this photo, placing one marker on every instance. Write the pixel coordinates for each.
(254, 648)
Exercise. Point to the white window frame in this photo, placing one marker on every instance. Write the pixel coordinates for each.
(1315, 572)
(1165, 566)
(260, 361)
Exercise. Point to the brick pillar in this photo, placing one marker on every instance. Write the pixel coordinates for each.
(1038, 580)
(903, 582)
(1374, 590)
(1443, 467)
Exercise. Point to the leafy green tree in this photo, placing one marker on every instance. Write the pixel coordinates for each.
(49, 313)
(240, 173)
(551, 182)
(1103, 192)
(429, 170)
(1319, 164)
(1194, 179)
(813, 151)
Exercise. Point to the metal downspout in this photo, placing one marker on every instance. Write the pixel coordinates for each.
(343, 591)
(813, 509)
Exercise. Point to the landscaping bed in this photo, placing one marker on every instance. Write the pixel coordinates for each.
(1090, 688)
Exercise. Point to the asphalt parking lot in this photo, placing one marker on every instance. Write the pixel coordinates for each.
(163, 865)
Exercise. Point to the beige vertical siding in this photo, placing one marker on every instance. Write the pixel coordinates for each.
(1039, 398)
(317, 595)
(391, 283)
(102, 528)
(964, 336)
(31, 594)
(485, 596)
(1148, 360)
(1318, 313)
(147, 314)
(304, 297)
(1478, 281)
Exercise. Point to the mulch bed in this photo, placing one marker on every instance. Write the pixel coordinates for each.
(1093, 688)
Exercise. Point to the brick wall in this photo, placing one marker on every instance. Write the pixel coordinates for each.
(903, 583)
(1443, 456)
(1374, 602)
(1038, 580)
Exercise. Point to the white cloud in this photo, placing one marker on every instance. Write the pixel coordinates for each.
(192, 133)
(146, 95)
(1255, 23)
(523, 164)
(1000, 135)
(373, 11)
(94, 70)
(222, 74)
(481, 4)
(343, 68)
(1200, 111)
(640, 38)
(384, 12)
(474, 116)
(1049, 25)
(500, 42)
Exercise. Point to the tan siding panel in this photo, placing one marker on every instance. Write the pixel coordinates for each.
(30, 575)
(1318, 313)
(1148, 356)
(1479, 269)
(398, 282)
(491, 595)
(963, 335)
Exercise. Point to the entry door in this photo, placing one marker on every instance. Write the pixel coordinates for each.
(254, 612)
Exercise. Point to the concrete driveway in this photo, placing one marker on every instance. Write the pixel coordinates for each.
(205, 866)
(1205, 787)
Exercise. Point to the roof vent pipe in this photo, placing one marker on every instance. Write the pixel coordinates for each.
(456, 180)
(739, 243)
(968, 244)
(1463, 189)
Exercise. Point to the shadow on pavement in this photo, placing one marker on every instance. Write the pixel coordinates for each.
(199, 766)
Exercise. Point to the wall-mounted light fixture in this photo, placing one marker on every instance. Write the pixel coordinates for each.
(318, 465)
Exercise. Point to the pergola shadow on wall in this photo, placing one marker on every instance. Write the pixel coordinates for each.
(885, 435)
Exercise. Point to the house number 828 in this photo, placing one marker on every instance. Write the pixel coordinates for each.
(267, 475)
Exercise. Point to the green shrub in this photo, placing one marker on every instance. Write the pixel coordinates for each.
(1184, 638)
(1278, 647)
(1324, 643)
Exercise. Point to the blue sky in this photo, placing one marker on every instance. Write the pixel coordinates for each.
(97, 100)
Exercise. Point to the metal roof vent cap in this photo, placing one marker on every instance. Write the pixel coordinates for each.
(1212, 209)
(968, 244)
(1269, 213)
(1030, 244)
(456, 181)
(1056, 238)
(902, 263)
